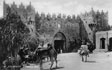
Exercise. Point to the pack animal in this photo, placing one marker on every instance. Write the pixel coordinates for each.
(50, 52)
(84, 52)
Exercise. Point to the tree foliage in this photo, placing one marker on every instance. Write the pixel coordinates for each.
(101, 19)
(12, 31)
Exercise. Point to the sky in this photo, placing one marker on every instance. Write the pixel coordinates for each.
(67, 7)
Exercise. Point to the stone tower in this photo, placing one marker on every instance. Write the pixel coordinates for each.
(88, 20)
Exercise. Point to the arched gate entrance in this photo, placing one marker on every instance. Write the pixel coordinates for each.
(60, 42)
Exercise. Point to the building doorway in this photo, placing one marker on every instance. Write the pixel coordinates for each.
(102, 43)
(110, 44)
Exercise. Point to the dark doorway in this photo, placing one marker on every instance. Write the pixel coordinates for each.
(110, 44)
(102, 43)
(59, 45)
(59, 42)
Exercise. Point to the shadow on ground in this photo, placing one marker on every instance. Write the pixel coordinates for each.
(48, 61)
(55, 68)
(90, 61)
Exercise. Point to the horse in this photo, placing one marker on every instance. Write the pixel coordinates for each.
(50, 52)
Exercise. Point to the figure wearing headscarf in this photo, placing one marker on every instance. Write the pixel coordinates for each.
(84, 48)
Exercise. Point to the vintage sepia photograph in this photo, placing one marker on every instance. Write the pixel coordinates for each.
(55, 34)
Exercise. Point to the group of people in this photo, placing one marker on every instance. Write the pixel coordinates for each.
(27, 55)
(23, 52)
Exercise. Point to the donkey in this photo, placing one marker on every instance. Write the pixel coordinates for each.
(50, 52)
(84, 53)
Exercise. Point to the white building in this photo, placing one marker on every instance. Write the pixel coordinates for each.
(104, 41)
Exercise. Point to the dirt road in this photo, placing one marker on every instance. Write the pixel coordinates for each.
(72, 61)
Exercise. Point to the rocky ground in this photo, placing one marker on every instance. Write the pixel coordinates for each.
(72, 61)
